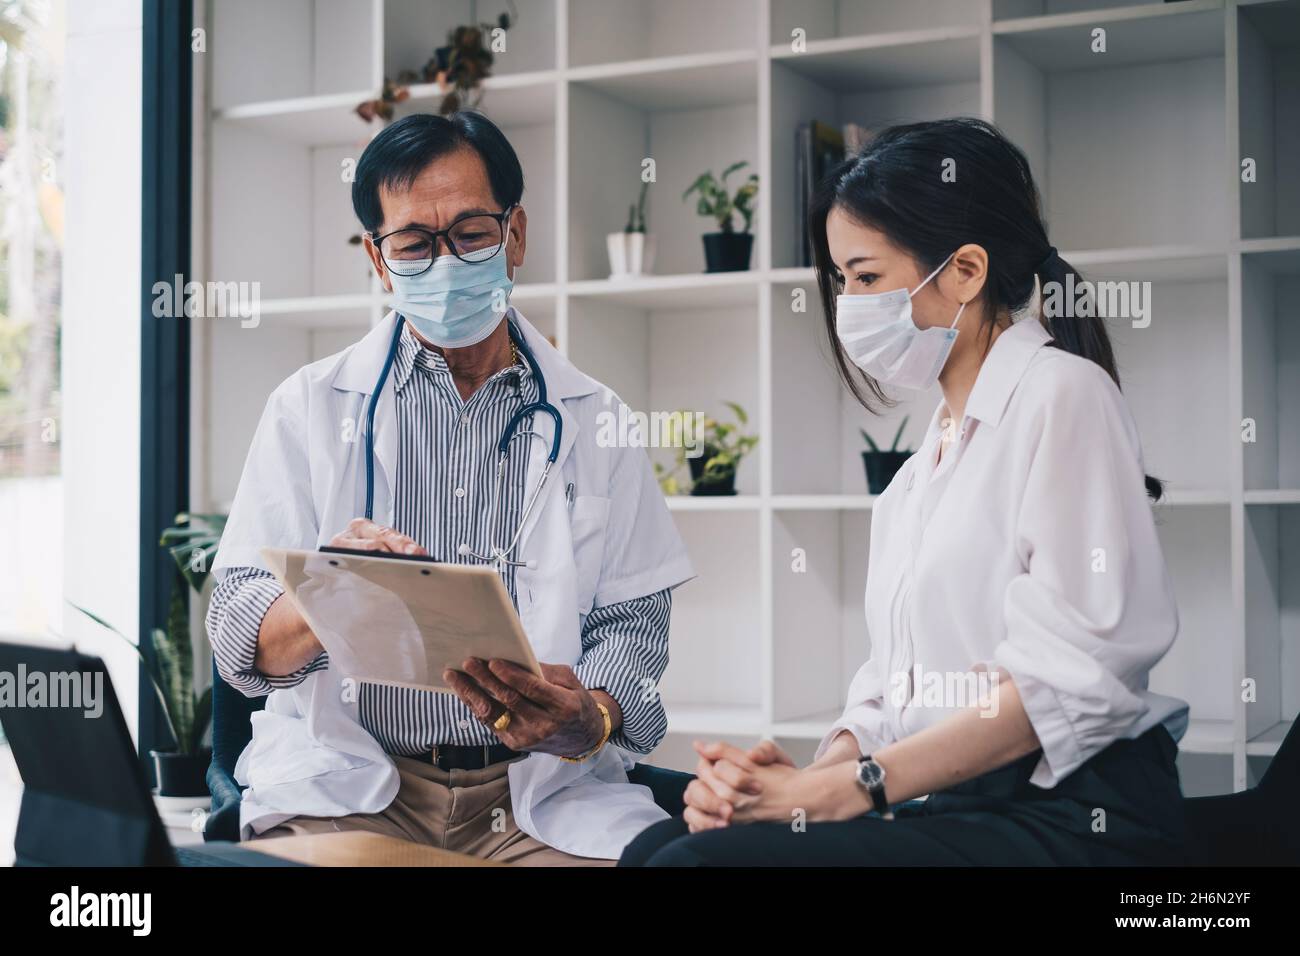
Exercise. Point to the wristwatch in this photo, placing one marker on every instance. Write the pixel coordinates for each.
(871, 777)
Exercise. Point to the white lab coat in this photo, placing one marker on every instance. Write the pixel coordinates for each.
(304, 480)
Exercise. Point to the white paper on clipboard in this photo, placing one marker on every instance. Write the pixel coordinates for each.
(401, 621)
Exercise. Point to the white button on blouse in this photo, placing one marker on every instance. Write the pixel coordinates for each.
(1030, 547)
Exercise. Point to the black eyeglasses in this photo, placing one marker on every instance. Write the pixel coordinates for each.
(473, 238)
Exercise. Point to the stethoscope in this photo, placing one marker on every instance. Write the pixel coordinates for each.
(498, 556)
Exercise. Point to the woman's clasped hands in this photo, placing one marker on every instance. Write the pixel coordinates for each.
(735, 786)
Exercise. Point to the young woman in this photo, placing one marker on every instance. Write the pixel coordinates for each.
(1016, 595)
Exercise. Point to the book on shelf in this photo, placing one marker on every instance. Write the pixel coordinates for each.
(818, 147)
(855, 138)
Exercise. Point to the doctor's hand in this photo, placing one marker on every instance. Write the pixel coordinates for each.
(551, 714)
(363, 534)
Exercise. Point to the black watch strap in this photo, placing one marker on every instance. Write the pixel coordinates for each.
(877, 789)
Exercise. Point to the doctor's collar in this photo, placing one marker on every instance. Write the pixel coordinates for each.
(412, 352)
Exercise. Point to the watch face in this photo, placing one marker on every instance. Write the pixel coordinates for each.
(871, 774)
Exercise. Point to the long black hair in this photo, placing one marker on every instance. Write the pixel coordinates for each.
(895, 185)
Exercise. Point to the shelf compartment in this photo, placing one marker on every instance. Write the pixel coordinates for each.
(1270, 283)
(714, 681)
(817, 446)
(290, 50)
(1175, 377)
(1268, 72)
(873, 83)
(819, 632)
(683, 139)
(618, 31)
(1159, 91)
(1272, 622)
(1198, 667)
(669, 360)
(414, 28)
(299, 250)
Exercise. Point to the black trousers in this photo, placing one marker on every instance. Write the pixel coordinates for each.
(1123, 807)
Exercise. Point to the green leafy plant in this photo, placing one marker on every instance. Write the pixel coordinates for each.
(717, 203)
(636, 212)
(725, 446)
(898, 436)
(192, 542)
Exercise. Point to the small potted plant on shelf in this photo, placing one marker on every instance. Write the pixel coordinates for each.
(881, 466)
(459, 68)
(632, 251)
(180, 771)
(713, 471)
(725, 250)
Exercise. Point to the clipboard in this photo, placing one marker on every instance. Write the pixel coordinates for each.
(399, 620)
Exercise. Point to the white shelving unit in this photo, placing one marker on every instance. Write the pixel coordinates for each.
(1136, 152)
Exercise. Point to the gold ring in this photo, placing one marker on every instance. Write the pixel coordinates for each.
(502, 722)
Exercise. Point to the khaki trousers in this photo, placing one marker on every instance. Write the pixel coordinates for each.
(464, 811)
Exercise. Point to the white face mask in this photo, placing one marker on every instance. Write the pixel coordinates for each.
(880, 337)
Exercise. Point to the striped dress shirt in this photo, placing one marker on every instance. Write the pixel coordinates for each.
(446, 476)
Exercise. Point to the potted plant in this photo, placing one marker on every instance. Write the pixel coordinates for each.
(180, 771)
(458, 68)
(725, 250)
(713, 472)
(632, 251)
(881, 466)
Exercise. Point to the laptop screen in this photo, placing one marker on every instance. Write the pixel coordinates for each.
(66, 729)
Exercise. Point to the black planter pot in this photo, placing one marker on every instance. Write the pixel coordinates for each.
(181, 775)
(723, 486)
(727, 251)
(881, 467)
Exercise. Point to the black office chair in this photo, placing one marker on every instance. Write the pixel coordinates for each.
(1256, 827)
(232, 729)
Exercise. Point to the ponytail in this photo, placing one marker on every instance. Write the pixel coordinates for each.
(1085, 336)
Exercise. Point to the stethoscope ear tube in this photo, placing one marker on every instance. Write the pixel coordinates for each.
(370, 418)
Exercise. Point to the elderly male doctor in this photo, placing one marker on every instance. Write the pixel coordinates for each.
(512, 767)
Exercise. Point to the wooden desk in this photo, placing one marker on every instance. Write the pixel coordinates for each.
(359, 848)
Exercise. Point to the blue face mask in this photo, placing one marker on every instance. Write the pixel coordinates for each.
(454, 303)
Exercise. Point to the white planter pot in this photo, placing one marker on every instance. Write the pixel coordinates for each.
(630, 253)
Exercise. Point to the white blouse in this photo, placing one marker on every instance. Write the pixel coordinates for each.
(1031, 547)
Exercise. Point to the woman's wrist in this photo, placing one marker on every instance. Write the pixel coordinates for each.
(833, 792)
